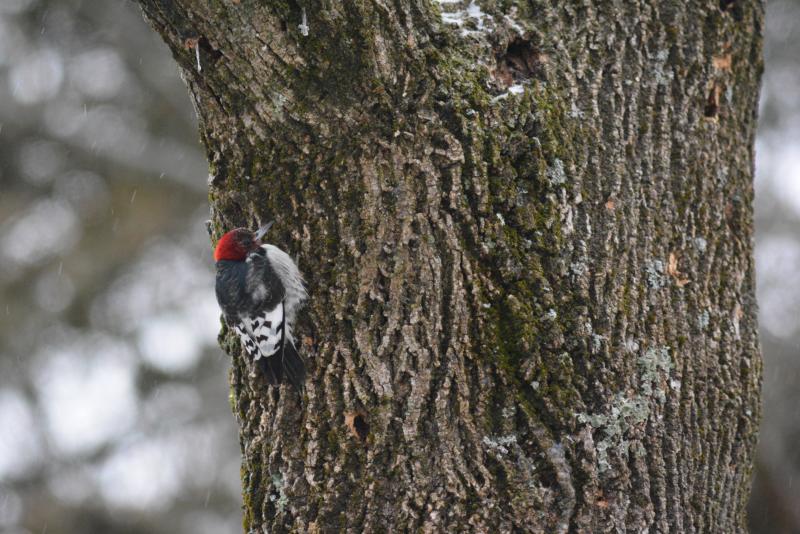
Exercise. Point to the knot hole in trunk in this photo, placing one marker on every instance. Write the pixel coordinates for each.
(356, 422)
(519, 61)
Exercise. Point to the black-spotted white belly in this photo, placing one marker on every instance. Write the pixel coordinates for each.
(262, 335)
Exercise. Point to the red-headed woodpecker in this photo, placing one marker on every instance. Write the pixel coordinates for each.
(260, 289)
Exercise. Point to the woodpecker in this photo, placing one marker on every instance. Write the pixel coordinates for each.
(259, 289)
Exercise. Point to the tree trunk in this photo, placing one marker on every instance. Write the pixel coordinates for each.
(526, 229)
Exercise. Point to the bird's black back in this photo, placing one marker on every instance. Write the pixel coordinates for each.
(231, 288)
(237, 282)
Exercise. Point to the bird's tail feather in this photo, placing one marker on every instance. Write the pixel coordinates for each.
(272, 368)
(293, 366)
(288, 364)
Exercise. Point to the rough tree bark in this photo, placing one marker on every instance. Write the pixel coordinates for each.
(526, 228)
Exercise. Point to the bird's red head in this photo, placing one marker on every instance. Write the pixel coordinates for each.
(235, 245)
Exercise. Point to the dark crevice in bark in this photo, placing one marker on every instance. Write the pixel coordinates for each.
(733, 7)
(712, 101)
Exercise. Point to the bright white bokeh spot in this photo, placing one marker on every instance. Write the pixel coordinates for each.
(142, 475)
(19, 442)
(88, 393)
(779, 166)
(37, 76)
(169, 343)
(47, 228)
(206, 317)
(98, 73)
(777, 262)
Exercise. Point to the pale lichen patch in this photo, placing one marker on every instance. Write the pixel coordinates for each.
(700, 244)
(627, 413)
(662, 76)
(654, 272)
(624, 414)
(597, 343)
(278, 496)
(500, 444)
(703, 319)
(556, 172)
(652, 364)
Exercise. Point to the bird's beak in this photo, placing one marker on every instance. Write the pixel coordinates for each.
(263, 230)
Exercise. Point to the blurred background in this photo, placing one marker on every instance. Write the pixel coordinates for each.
(114, 414)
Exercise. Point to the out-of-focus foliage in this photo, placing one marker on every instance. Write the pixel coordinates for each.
(113, 396)
(775, 504)
(113, 393)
